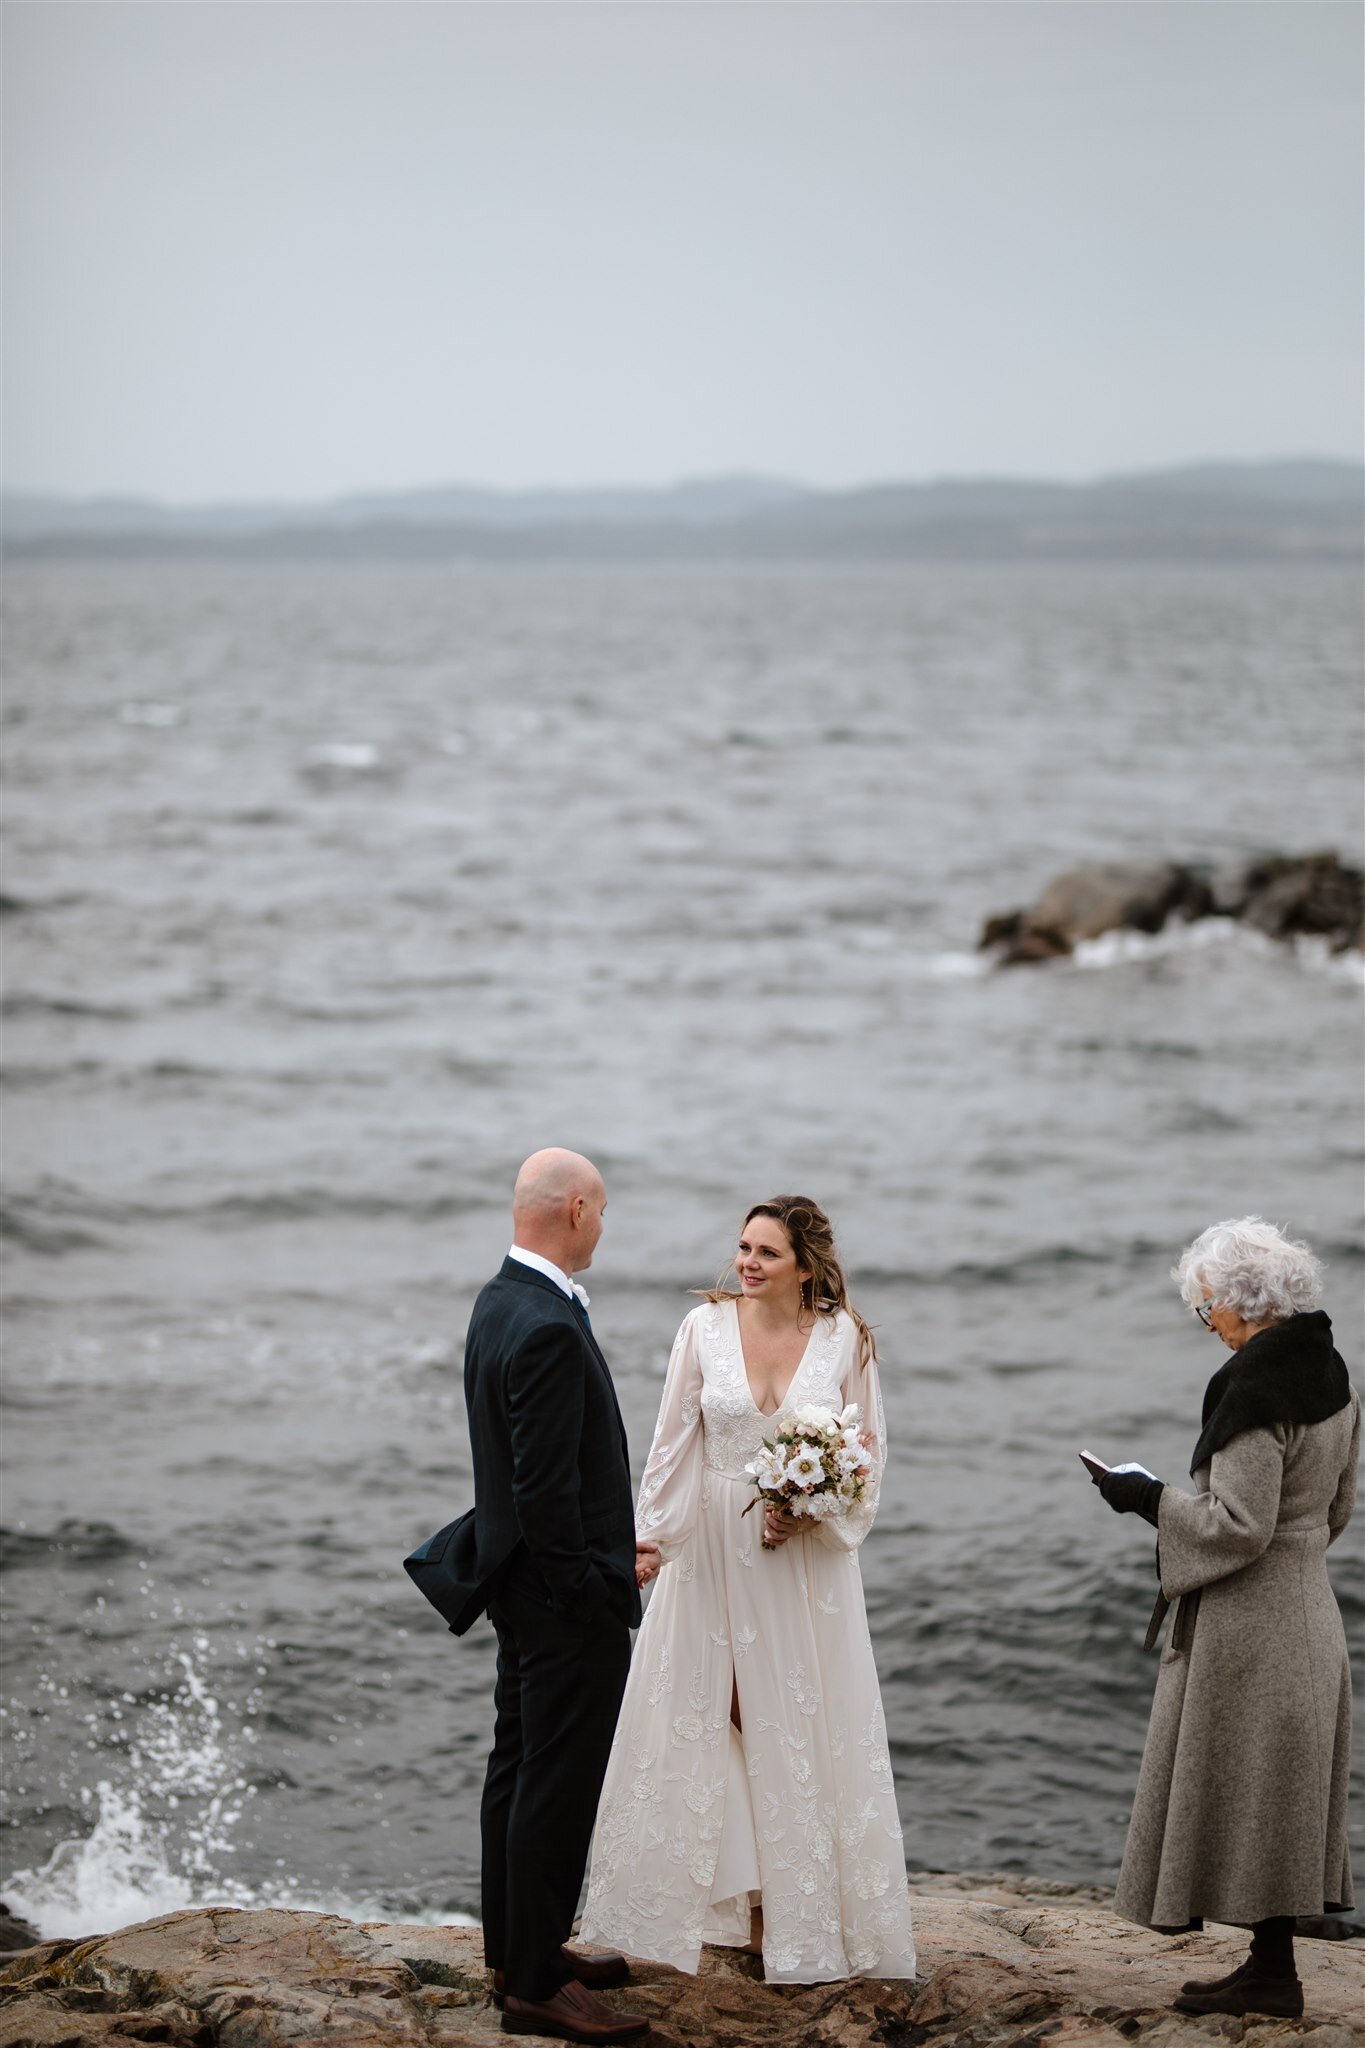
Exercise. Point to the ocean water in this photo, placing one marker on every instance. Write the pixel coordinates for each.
(331, 893)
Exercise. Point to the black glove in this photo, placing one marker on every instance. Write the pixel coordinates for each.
(1133, 1493)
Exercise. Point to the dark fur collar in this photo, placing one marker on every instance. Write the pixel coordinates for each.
(1289, 1373)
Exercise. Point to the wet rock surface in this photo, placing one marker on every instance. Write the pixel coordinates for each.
(1282, 895)
(14, 1932)
(999, 1968)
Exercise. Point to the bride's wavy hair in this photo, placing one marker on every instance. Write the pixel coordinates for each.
(824, 1291)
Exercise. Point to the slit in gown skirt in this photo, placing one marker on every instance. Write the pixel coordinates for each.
(795, 1810)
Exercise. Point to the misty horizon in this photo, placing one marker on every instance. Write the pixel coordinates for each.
(1279, 510)
(681, 482)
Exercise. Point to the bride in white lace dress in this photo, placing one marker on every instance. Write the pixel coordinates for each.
(750, 1765)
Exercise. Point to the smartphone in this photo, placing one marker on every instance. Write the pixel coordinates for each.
(1092, 1465)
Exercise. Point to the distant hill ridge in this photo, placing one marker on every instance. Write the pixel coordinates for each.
(1288, 509)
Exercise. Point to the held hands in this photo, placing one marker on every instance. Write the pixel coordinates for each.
(648, 1563)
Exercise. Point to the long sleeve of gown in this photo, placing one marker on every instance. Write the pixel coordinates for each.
(670, 1491)
(862, 1384)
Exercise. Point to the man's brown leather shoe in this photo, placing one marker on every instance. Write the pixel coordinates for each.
(573, 2014)
(599, 1973)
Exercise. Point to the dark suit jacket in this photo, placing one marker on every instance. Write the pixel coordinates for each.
(554, 1513)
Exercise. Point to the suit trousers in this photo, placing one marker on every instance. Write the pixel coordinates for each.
(558, 1695)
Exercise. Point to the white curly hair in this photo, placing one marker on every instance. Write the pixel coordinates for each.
(1251, 1267)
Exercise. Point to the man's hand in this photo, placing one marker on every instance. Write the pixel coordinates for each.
(648, 1563)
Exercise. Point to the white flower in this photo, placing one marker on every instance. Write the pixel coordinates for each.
(814, 1418)
(767, 1470)
(849, 1416)
(805, 1468)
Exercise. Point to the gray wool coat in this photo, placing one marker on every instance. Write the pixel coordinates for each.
(1240, 1811)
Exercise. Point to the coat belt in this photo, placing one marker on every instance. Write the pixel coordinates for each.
(1182, 1629)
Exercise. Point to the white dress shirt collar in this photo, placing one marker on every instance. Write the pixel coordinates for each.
(550, 1270)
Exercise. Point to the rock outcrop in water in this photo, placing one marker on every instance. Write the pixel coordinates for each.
(1282, 895)
(1001, 1967)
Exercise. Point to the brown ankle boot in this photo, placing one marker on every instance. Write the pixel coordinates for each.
(1280, 1997)
(1197, 1986)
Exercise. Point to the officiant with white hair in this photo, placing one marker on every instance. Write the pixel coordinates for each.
(1240, 1813)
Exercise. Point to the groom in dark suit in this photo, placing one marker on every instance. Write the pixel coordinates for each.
(551, 1554)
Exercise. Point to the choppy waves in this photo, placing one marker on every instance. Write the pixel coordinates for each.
(50, 1219)
(309, 942)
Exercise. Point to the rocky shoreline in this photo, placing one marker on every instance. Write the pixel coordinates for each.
(1283, 896)
(1004, 1963)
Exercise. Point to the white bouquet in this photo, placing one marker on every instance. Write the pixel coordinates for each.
(815, 1465)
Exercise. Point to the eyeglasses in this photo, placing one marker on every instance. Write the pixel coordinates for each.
(1201, 1309)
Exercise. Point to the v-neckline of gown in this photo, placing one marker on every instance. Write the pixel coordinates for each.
(769, 1414)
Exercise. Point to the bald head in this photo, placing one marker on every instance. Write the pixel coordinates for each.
(557, 1208)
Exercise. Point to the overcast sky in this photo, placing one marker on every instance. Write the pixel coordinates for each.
(295, 249)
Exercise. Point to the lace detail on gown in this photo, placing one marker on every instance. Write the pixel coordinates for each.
(789, 1629)
(734, 1429)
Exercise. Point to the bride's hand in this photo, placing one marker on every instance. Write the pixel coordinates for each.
(778, 1526)
(648, 1563)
